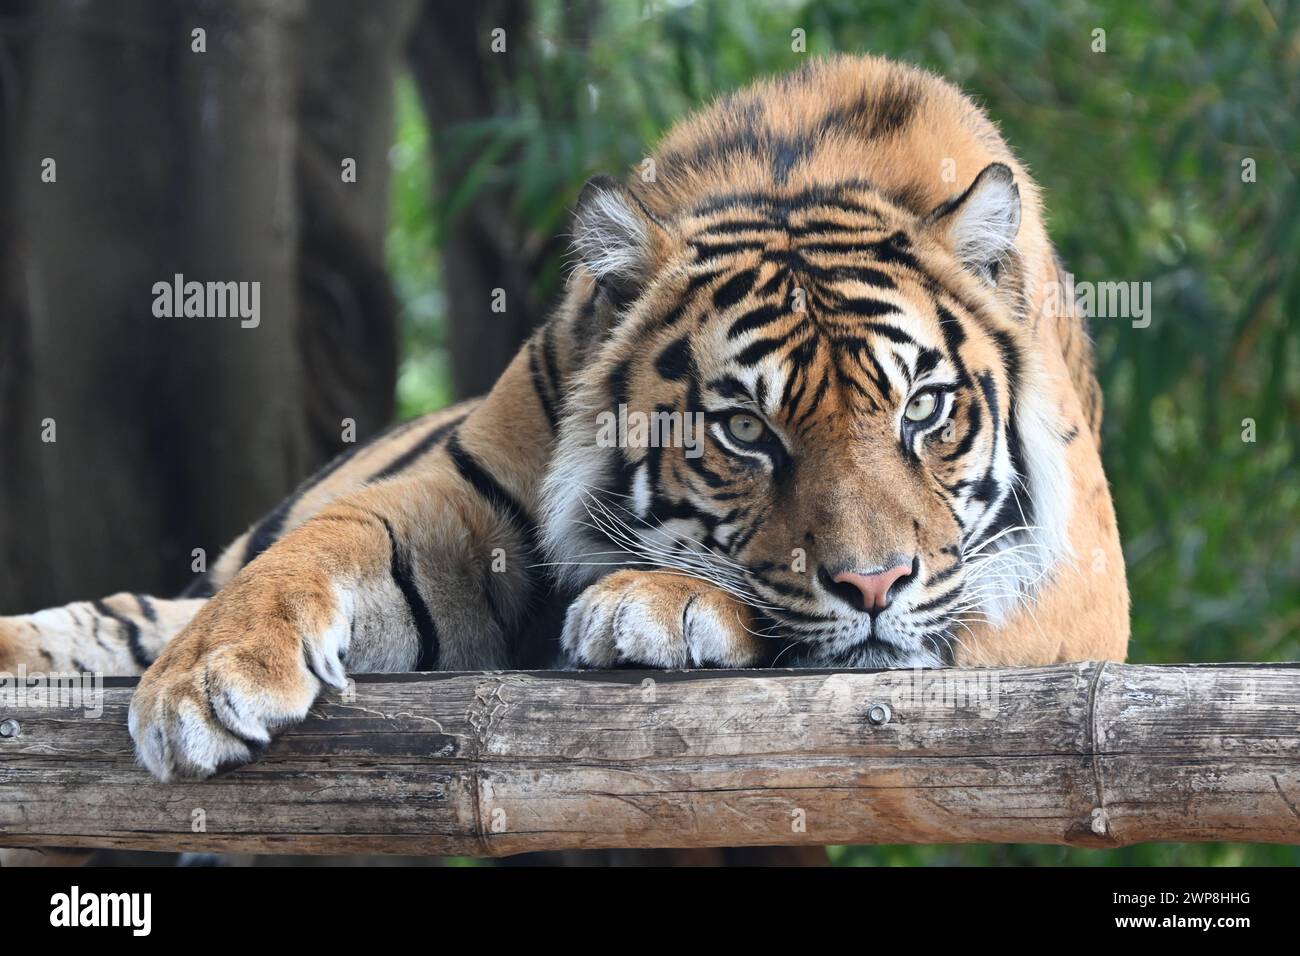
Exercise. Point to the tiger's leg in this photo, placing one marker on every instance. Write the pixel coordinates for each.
(119, 635)
(123, 634)
(393, 578)
(428, 564)
(419, 573)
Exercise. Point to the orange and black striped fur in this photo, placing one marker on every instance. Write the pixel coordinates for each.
(842, 277)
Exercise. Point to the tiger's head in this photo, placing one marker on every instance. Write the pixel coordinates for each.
(811, 379)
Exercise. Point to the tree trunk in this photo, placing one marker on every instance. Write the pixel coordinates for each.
(223, 165)
(462, 81)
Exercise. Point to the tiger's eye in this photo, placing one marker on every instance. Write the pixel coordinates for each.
(921, 406)
(746, 428)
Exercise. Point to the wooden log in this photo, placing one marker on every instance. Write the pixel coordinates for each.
(490, 764)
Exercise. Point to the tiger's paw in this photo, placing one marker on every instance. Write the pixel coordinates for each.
(230, 680)
(11, 650)
(660, 620)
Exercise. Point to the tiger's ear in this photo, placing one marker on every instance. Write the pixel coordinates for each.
(981, 224)
(614, 237)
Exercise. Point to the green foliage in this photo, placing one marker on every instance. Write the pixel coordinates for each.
(1140, 151)
(412, 248)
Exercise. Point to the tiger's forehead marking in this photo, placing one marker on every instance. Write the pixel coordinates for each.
(850, 206)
(847, 348)
(818, 299)
(785, 131)
(823, 273)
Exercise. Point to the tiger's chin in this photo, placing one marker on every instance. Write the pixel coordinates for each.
(885, 641)
(871, 654)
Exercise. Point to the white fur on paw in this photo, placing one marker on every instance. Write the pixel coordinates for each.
(191, 735)
(182, 742)
(325, 652)
(188, 726)
(715, 634)
(606, 627)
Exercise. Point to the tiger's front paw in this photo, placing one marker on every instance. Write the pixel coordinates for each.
(250, 663)
(660, 620)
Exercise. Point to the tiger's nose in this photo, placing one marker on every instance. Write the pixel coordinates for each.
(868, 592)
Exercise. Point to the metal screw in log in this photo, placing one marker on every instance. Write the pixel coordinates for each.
(10, 728)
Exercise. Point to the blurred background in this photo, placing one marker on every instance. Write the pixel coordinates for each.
(1171, 157)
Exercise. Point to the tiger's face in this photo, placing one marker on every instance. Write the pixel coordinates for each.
(811, 400)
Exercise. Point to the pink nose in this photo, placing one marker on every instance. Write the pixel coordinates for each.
(874, 588)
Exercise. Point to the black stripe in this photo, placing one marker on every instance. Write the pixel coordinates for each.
(903, 368)
(792, 616)
(618, 382)
(146, 608)
(786, 590)
(972, 432)
(735, 289)
(416, 451)
(941, 576)
(926, 360)
(726, 227)
(94, 630)
(893, 250)
(757, 351)
(674, 362)
(843, 273)
(400, 569)
(828, 196)
(853, 245)
(714, 250)
(552, 363)
(728, 387)
(711, 478)
(268, 529)
(539, 386)
(1011, 358)
(490, 489)
(1009, 515)
(942, 600)
(869, 308)
(876, 373)
(987, 488)
(752, 321)
(954, 335)
(878, 112)
(814, 404)
(199, 587)
(813, 227)
(945, 651)
(138, 653)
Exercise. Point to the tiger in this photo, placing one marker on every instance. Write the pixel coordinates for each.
(833, 296)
